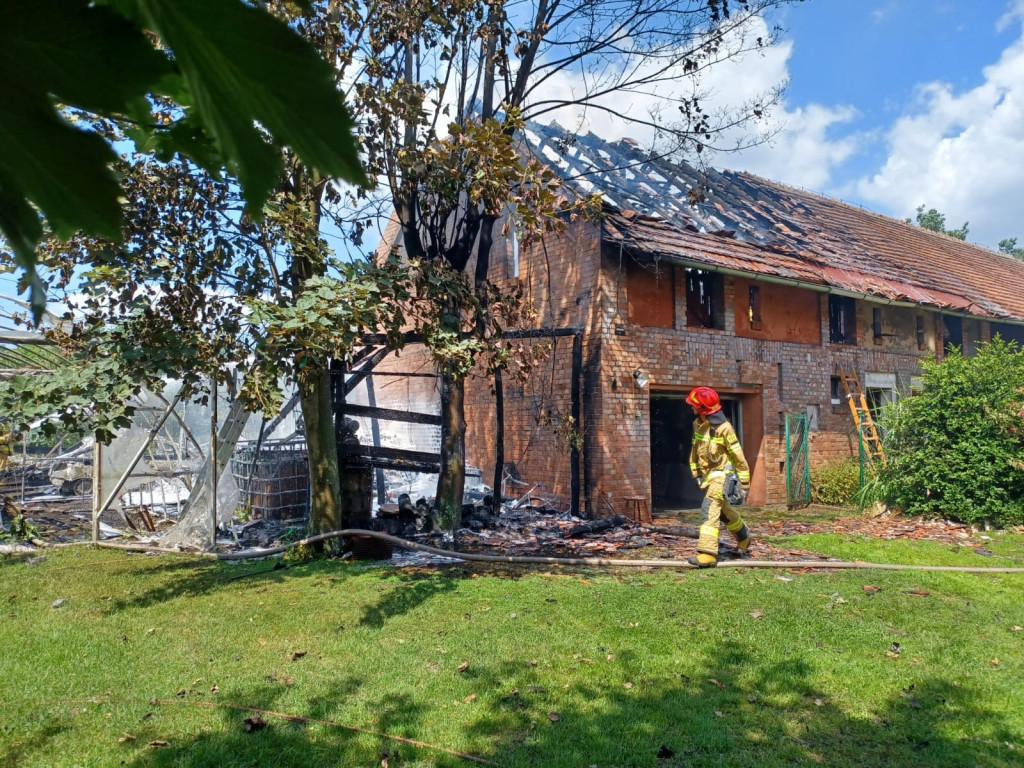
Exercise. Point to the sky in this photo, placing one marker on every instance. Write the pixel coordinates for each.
(892, 104)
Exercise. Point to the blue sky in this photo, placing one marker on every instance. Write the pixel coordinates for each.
(895, 103)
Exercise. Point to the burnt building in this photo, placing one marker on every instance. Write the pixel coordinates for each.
(762, 291)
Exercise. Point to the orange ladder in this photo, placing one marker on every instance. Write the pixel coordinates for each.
(862, 417)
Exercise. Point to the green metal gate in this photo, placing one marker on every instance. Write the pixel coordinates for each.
(798, 470)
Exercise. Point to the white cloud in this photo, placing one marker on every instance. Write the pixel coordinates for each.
(1014, 13)
(961, 153)
(800, 152)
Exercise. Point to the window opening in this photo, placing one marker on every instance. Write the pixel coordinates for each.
(705, 299)
(1009, 332)
(842, 320)
(953, 332)
(754, 307)
(837, 391)
(921, 343)
(876, 323)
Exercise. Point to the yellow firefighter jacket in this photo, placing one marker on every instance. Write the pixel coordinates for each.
(716, 451)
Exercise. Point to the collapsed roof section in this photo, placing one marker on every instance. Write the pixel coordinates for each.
(729, 221)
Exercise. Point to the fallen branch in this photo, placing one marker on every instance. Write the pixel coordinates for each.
(596, 526)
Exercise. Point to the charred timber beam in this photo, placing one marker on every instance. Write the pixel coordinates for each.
(361, 354)
(399, 465)
(380, 452)
(604, 524)
(524, 333)
(390, 458)
(539, 333)
(288, 408)
(403, 373)
(357, 376)
(389, 414)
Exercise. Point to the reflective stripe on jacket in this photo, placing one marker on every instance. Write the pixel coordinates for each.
(716, 450)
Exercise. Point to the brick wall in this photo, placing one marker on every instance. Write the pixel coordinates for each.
(575, 281)
(561, 276)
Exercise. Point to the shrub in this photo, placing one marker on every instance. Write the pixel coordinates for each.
(956, 449)
(835, 484)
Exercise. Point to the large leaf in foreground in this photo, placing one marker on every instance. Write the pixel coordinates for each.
(246, 70)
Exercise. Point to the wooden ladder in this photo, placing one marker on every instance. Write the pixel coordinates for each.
(862, 417)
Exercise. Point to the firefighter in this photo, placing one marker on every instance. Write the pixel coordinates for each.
(716, 453)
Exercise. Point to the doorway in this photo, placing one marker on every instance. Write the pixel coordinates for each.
(672, 485)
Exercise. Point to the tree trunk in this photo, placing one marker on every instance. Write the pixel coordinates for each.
(451, 482)
(314, 379)
(322, 450)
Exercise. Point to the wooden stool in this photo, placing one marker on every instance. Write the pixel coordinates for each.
(636, 507)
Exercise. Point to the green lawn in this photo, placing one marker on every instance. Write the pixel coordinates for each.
(564, 668)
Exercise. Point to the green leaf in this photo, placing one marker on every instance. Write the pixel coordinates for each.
(19, 222)
(63, 170)
(83, 54)
(246, 69)
(88, 57)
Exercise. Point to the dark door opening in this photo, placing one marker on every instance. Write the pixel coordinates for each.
(672, 485)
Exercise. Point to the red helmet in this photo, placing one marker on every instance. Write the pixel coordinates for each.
(704, 400)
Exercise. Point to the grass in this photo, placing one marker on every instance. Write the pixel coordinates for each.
(564, 668)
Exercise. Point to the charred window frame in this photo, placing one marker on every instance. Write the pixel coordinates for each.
(754, 307)
(705, 299)
(922, 342)
(842, 320)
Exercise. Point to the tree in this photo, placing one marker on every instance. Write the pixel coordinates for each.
(936, 222)
(194, 290)
(1009, 247)
(439, 91)
(442, 89)
(956, 449)
(236, 85)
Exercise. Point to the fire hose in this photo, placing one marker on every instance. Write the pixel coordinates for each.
(537, 560)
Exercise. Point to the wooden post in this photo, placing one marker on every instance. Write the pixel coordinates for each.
(97, 486)
(574, 454)
(371, 399)
(499, 442)
(213, 467)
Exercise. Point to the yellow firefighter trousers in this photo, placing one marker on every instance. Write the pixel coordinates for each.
(715, 507)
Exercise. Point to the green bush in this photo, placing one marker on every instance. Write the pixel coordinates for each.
(956, 449)
(835, 484)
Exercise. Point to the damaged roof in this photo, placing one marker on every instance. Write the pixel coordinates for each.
(730, 220)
